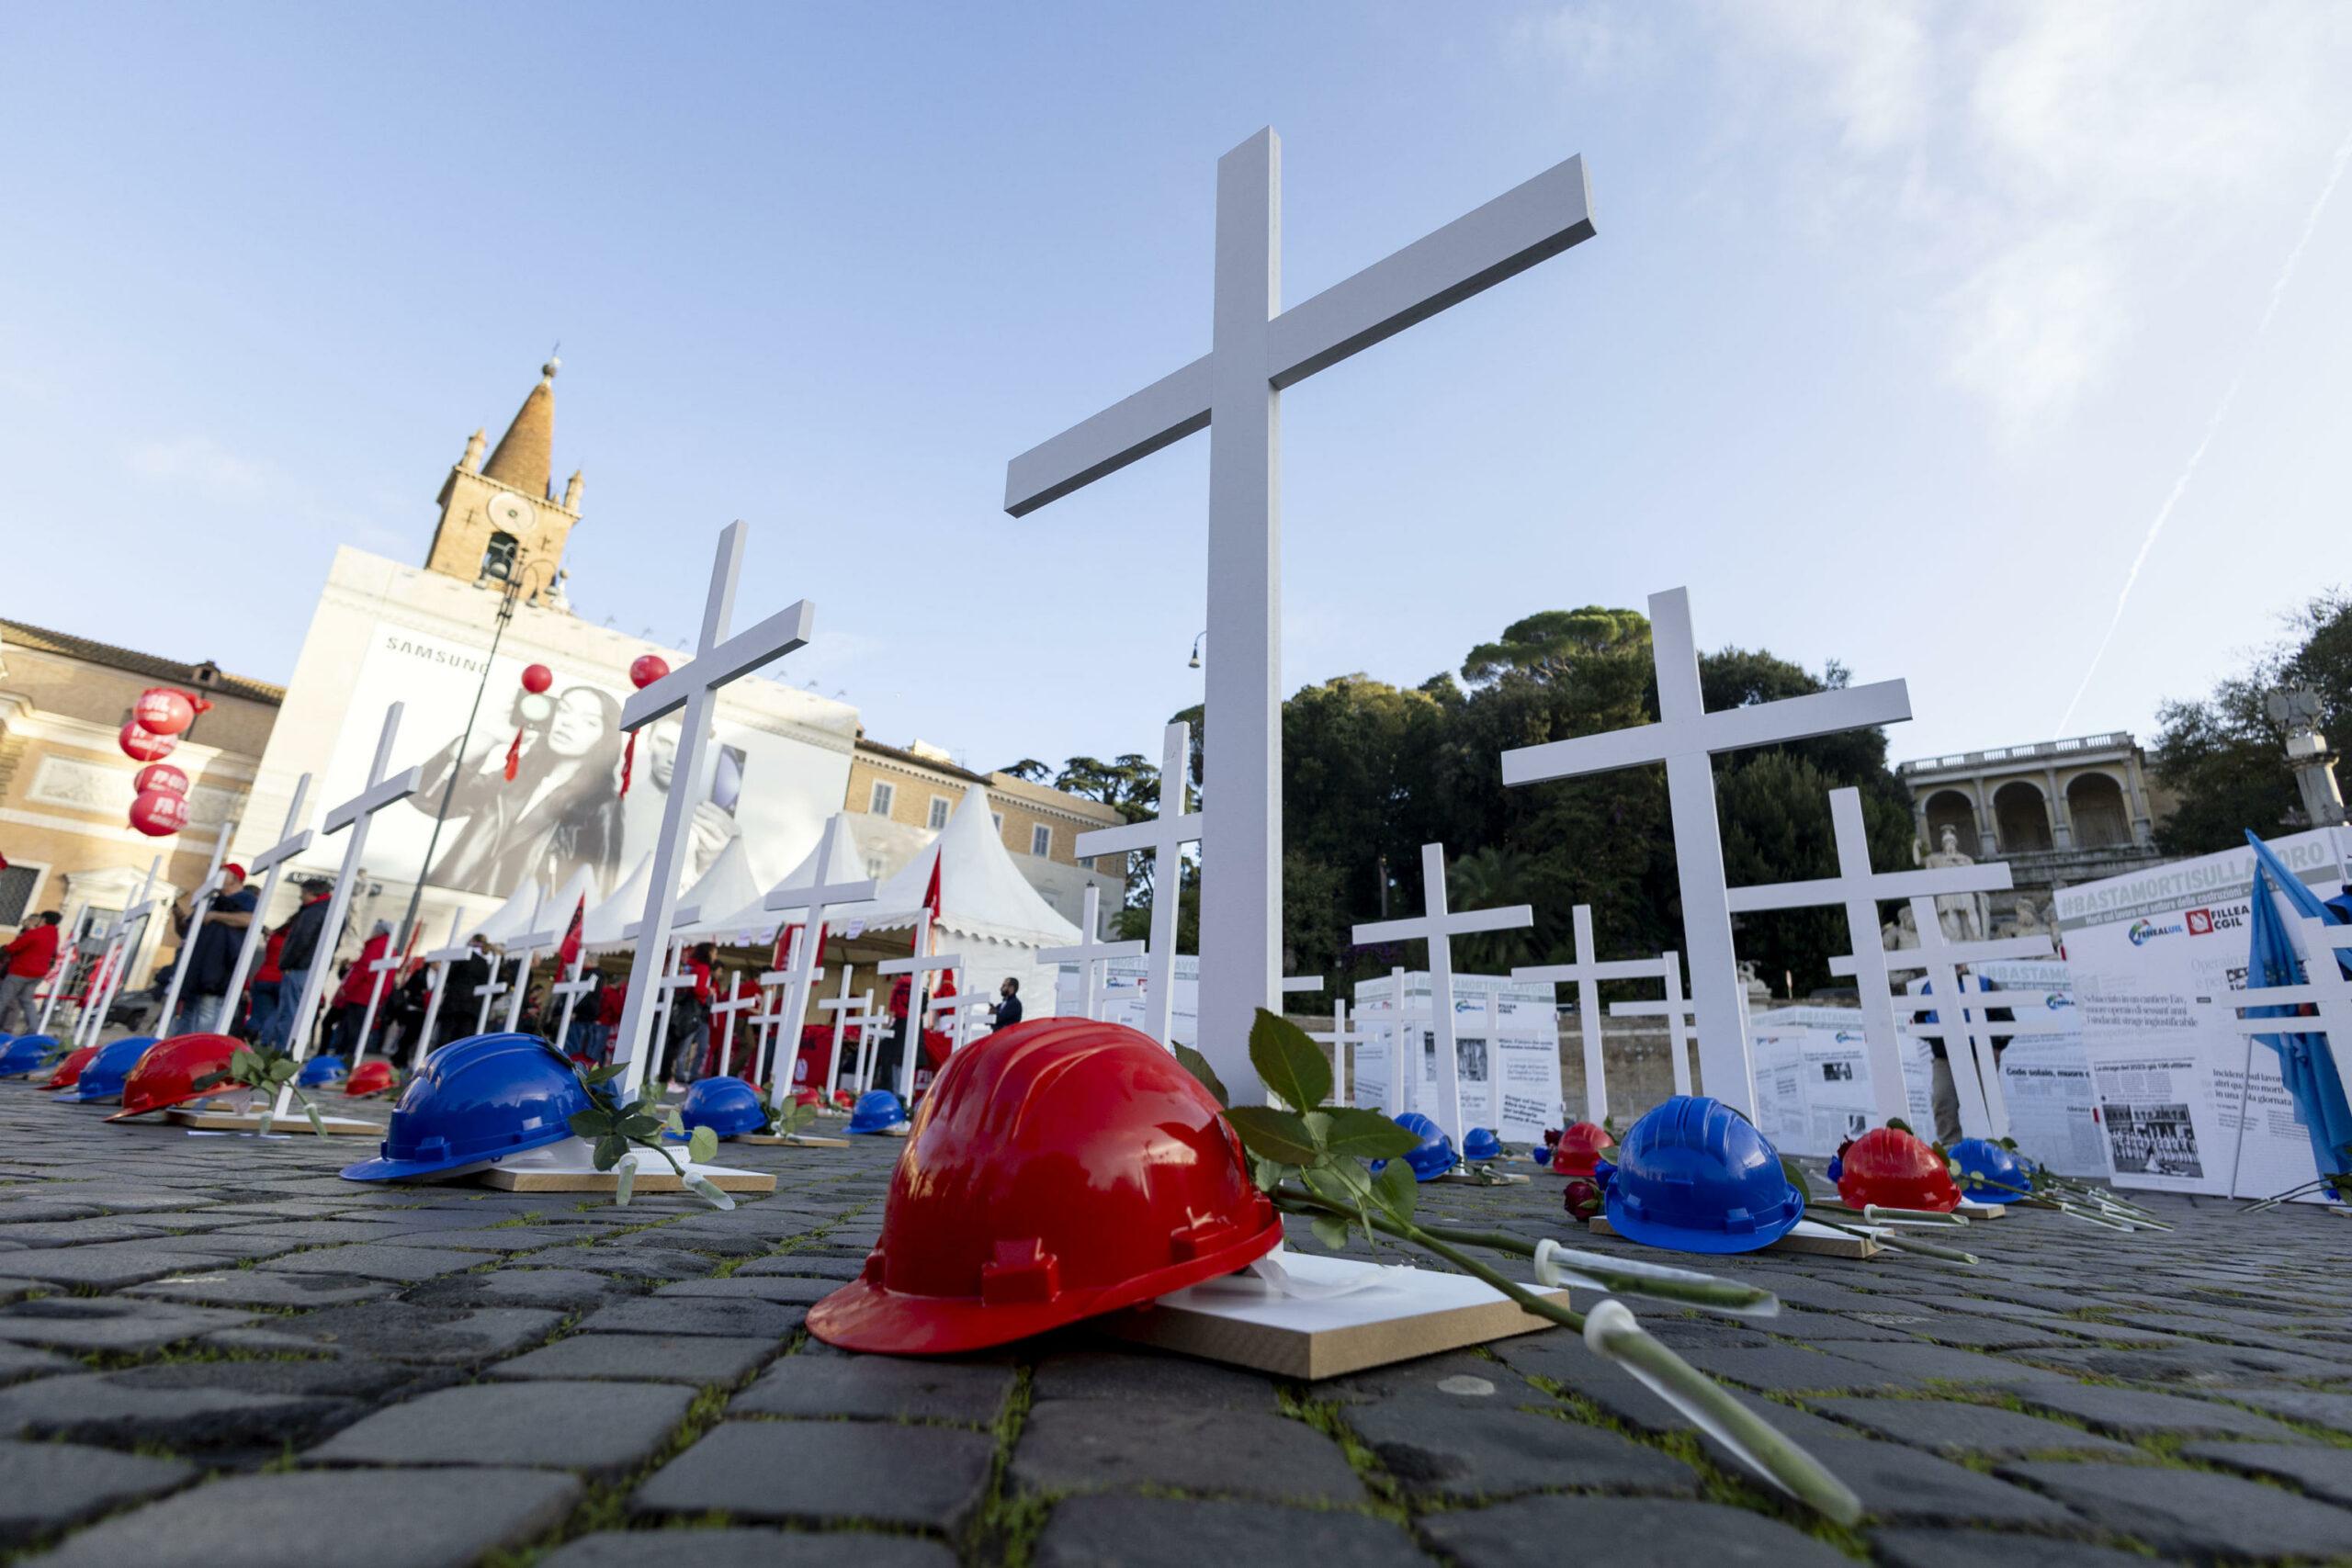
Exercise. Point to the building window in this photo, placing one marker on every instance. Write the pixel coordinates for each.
(1041, 841)
(874, 868)
(498, 560)
(940, 807)
(997, 818)
(881, 801)
(17, 884)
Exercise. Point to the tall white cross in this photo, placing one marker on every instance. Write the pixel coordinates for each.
(114, 961)
(490, 991)
(842, 1007)
(814, 904)
(1687, 737)
(1256, 349)
(1966, 1036)
(1090, 954)
(381, 792)
(719, 660)
(1587, 973)
(1165, 837)
(1399, 1096)
(525, 948)
(440, 958)
(1859, 890)
(1438, 926)
(868, 1021)
(1680, 1015)
(1339, 1039)
(198, 907)
(571, 990)
(388, 964)
(2325, 987)
(738, 1000)
(917, 1013)
(67, 956)
(291, 842)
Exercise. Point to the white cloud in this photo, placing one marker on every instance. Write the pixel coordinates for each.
(1591, 40)
(2050, 168)
(202, 464)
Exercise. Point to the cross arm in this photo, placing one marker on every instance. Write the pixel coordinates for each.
(1153, 833)
(1725, 729)
(1993, 877)
(1658, 1008)
(399, 786)
(1567, 973)
(1955, 952)
(1086, 952)
(780, 633)
(1509, 917)
(1171, 407)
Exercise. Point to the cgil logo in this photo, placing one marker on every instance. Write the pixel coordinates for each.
(2206, 922)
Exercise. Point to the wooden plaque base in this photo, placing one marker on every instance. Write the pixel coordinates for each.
(1498, 1178)
(205, 1120)
(568, 1167)
(1408, 1313)
(794, 1140)
(1808, 1237)
(1970, 1209)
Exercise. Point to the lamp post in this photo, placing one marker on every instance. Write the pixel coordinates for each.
(1194, 662)
(514, 588)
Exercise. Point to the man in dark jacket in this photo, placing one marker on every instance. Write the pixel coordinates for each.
(461, 1001)
(1007, 1010)
(307, 943)
(203, 990)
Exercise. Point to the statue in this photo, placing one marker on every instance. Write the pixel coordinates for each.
(1900, 932)
(1759, 990)
(1962, 916)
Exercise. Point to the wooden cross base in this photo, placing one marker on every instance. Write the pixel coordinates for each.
(1492, 1178)
(1808, 1237)
(1405, 1315)
(1970, 1209)
(794, 1140)
(201, 1120)
(569, 1168)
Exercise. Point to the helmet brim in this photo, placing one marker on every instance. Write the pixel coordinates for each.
(865, 1315)
(386, 1168)
(126, 1113)
(1675, 1238)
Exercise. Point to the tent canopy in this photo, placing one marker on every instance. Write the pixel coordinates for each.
(981, 892)
(513, 917)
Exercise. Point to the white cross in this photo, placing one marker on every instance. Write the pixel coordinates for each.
(292, 841)
(198, 906)
(2323, 987)
(842, 1007)
(1165, 837)
(1339, 1039)
(719, 660)
(388, 964)
(868, 1022)
(67, 956)
(737, 1001)
(919, 966)
(113, 959)
(1399, 1098)
(1587, 973)
(1088, 954)
(814, 904)
(1257, 349)
(1984, 1103)
(525, 948)
(678, 979)
(1687, 737)
(1680, 1015)
(439, 959)
(1438, 927)
(571, 990)
(1968, 1044)
(767, 1023)
(1859, 891)
(380, 793)
(491, 992)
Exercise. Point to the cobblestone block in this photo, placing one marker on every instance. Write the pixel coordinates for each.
(1951, 1427)
(761, 1549)
(2323, 1472)
(687, 1314)
(1634, 1532)
(1466, 1449)
(1125, 1376)
(599, 1427)
(46, 1486)
(1111, 1530)
(261, 1288)
(1083, 1446)
(644, 1358)
(448, 1336)
(928, 1477)
(878, 1388)
(2189, 1510)
(74, 1322)
(2137, 1412)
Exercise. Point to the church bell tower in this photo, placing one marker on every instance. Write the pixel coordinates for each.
(502, 516)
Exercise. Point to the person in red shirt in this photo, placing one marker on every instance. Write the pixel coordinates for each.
(351, 995)
(28, 958)
(690, 1018)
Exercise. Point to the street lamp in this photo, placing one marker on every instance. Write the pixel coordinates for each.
(1194, 662)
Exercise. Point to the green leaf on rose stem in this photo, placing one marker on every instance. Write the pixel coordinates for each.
(703, 1147)
(1289, 1063)
(1267, 1173)
(674, 1120)
(586, 1124)
(1395, 1191)
(1318, 1127)
(1344, 1183)
(1277, 1134)
(1899, 1124)
(798, 1117)
(1198, 1065)
(1358, 1133)
(1795, 1173)
(609, 1150)
(1331, 1232)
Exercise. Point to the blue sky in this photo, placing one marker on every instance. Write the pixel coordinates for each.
(1902, 325)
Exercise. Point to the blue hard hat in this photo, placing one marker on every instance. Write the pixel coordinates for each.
(725, 1105)
(474, 1102)
(322, 1069)
(103, 1077)
(1986, 1168)
(1837, 1171)
(1480, 1144)
(1693, 1175)
(1434, 1158)
(20, 1053)
(877, 1110)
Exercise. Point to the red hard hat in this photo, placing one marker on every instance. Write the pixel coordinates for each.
(1578, 1147)
(1892, 1168)
(1057, 1170)
(69, 1071)
(371, 1078)
(170, 1073)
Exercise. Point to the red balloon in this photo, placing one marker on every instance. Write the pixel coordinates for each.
(156, 814)
(162, 711)
(159, 777)
(143, 745)
(648, 669)
(537, 678)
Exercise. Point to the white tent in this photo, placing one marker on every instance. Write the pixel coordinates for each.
(755, 921)
(556, 915)
(513, 917)
(605, 921)
(725, 887)
(987, 911)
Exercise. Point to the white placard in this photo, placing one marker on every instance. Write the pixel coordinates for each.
(1510, 1051)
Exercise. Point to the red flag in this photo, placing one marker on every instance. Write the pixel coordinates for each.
(930, 894)
(568, 952)
(513, 757)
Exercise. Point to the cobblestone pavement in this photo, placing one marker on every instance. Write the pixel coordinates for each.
(212, 1350)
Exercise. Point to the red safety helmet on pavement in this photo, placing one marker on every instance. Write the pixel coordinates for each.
(1578, 1147)
(373, 1078)
(1892, 1168)
(1057, 1170)
(185, 1068)
(69, 1071)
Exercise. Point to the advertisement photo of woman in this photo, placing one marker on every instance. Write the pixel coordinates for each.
(559, 812)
